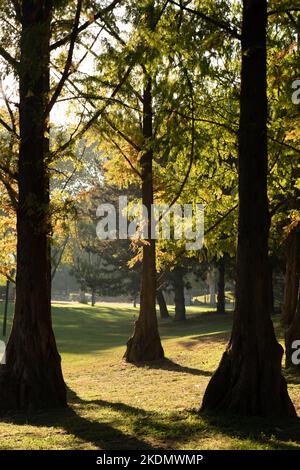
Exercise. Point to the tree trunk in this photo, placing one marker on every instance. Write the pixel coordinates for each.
(178, 283)
(32, 377)
(82, 297)
(221, 286)
(270, 288)
(93, 298)
(57, 259)
(249, 380)
(211, 286)
(291, 307)
(145, 344)
(292, 334)
(163, 309)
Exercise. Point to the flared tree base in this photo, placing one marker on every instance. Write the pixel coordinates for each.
(292, 337)
(248, 387)
(32, 381)
(143, 347)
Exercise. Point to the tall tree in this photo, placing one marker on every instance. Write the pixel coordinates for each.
(179, 299)
(32, 376)
(145, 344)
(291, 305)
(163, 308)
(249, 380)
(221, 285)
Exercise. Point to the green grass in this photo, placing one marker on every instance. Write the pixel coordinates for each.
(114, 405)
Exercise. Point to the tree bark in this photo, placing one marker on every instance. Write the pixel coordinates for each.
(163, 309)
(212, 286)
(221, 286)
(145, 344)
(291, 304)
(270, 288)
(293, 334)
(248, 380)
(178, 282)
(93, 298)
(32, 377)
(82, 297)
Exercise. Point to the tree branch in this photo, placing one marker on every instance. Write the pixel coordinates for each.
(68, 63)
(56, 262)
(283, 10)
(9, 58)
(85, 25)
(17, 8)
(95, 117)
(219, 23)
(9, 109)
(13, 175)
(212, 227)
(121, 134)
(209, 121)
(284, 144)
(13, 195)
(125, 156)
(192, 154)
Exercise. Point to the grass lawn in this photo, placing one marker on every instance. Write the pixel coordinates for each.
(114, 405)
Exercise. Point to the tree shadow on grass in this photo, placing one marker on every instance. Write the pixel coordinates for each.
(164, 430)
(83, 330)
(169, 365)
(292, 376)
(102, 435)
(275, 433)
(173, 429)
